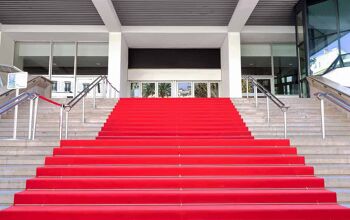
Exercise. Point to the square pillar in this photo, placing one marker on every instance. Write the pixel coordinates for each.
(231, 66)
(7, 49)
(118, 62)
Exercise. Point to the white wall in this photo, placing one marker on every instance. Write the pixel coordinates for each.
(231, 66)
(7, 49)
(118, 62)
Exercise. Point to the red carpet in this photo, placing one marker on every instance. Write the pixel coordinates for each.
(183, 159)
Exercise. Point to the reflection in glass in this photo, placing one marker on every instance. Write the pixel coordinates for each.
(244, 86)
(200, 90)
(92, 59)
(134, 90)
(148, 90)
(300, 27)
(214, 90)
(32, 57)
(256, 65)
(184, 89)
(63, 59)
(164, 90)
(266, 83)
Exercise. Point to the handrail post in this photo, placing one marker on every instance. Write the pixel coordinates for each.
(323, 119)
(15, 120)
(66, 131)
(30, 121)
(35, 117)
(83, 115)
(94, 98)
(268, 110)
(285, 122)
(104, 88)
(247, 87)
(61, 121)
(256, 95)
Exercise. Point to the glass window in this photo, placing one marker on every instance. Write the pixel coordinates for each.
(184, 89)
(92, 59)
(322, 18)
(135, 90)
(148, 90)
(214, 90)
(344, 22)
(68, 87)
(54, 86)
(164, 90)
(256, 59)
(285, 69)
(200, 90)
(32, 57)
(63, 59)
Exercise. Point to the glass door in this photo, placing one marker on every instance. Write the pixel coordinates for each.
(200, 90)
(149, 90)
(184, 89)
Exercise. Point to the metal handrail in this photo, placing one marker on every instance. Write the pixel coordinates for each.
(81, 97)
(269, 96)
(333, 99)
(24, 97)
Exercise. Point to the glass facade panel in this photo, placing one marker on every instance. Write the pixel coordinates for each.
(200, 90)
(92, 59)
(164, 90)
(214, 90)
(63, 58)
(256, 59)
(285, 70)
(148, 90)
(32, 57)
(135, 90)
(184, 89)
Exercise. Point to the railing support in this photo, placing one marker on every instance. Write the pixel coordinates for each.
(35, 117)
(256, 96)
(285, 123)
(61, 121)
(94, 98)
(268, 110)
(83, 115)
(15, 119)
(323, 119)
(67, 117)
(30, 121)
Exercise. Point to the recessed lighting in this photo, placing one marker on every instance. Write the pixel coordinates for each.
(251, 64)
(98, 64)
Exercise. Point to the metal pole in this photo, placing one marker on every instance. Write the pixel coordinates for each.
(104, 88)
(30, 119)
(268, 110)
(66, 125)
(256, 95)
(94, 98)
(322, 120)
(247, 87)
(285, 124)
(15, 118)
(61, 121)
(83, 119)
(35, 116)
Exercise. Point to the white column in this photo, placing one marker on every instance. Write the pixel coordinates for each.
(7, 49)
(118, 62)
(231, 66)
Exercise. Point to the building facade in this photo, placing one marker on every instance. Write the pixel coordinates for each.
(175, 49)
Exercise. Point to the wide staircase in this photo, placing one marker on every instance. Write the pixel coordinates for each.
(175, 159)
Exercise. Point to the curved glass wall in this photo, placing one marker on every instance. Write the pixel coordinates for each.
(323, 33)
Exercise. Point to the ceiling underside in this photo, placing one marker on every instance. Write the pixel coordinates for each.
(49, 12)
(143, 12)
(175, 12)
(273, 12)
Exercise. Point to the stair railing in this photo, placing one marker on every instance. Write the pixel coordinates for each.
(333, 99)
(269, 96)
(108, 90)
(33, 99)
